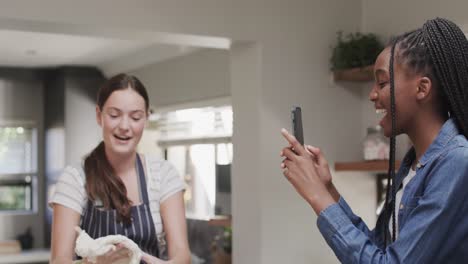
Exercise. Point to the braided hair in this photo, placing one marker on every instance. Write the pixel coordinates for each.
(439, 51)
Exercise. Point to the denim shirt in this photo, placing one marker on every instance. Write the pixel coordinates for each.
(433, 215)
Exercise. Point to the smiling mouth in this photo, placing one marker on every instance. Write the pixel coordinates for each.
(122, 138)
(381, 111)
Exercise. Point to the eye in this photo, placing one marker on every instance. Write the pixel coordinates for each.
(382, 84)
(136, 117)
(113, 115)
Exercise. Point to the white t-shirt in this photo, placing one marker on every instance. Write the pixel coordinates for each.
(398, 197)
(162, 181)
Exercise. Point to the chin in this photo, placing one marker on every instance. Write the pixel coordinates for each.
(122, 150)
(388, 132)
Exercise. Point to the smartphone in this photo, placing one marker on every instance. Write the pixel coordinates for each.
(296, 119)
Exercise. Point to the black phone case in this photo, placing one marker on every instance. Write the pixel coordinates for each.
(296, 118)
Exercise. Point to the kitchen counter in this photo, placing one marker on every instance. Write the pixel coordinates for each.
(27, 256)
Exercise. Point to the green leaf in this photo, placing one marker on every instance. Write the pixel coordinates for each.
(355, 50)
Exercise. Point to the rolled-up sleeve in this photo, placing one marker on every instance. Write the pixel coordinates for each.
(69, 190)
(423, 238)
(171, 182)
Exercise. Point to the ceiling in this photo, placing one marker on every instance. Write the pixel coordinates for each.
(33, 49)
(44, 44)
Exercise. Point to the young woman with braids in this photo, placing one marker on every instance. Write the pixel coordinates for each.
(421, 88)
(118, 191)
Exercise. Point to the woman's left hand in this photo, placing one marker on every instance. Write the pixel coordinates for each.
(301, 171)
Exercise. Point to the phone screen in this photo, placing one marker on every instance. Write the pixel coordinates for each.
(296, 119)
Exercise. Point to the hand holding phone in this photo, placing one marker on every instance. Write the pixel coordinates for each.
(296, 119)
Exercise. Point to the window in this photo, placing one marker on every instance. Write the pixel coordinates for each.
(197, 141)
(18, 167)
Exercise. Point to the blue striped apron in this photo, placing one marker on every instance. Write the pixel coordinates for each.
(98, 223)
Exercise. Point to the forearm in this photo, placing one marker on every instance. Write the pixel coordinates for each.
(319, 201)
(181, 255)
(333, 192)
(61, 260)
(179, 260)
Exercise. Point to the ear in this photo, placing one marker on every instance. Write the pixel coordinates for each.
(98, 116)
(424, 87)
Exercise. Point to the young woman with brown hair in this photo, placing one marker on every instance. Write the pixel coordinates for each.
(119, 191)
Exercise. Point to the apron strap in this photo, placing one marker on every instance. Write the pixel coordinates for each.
(142, 178)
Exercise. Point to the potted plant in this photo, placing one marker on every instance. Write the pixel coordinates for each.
(222, 247)
(353, 56)
(227, 240)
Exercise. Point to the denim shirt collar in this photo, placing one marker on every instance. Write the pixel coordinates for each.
(446, 133)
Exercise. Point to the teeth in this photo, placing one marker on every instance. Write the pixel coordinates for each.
(380, 111)
(122, 138)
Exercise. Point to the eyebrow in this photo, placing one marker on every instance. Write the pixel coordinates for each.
(379, 72)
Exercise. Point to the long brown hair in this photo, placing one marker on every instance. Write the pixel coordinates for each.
(101, 181)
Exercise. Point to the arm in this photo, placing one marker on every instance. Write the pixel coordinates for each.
(63, 234)
(67, 204)
(323, 170)
(431, 232)
(173, 218)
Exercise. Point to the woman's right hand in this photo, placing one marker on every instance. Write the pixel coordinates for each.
(114, 255)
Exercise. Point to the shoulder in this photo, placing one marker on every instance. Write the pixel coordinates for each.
(158, 167)
(73, 174)
(451, 167)
(163, 178)
(456, 152)
(69, 190)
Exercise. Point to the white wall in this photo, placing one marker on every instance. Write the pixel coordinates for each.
(401, 16)
(292, 40)
(245, 181)
(197, 76)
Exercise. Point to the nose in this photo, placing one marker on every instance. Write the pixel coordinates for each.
(373, 95)
(124, 123)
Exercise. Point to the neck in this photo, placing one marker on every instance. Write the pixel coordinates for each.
(424, 131)
(122, 164)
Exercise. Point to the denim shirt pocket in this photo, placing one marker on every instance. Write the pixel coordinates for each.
(412, 202)
(406, 209)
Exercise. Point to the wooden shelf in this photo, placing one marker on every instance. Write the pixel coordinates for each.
(364, 74)
(220, 220)
(369, 166)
